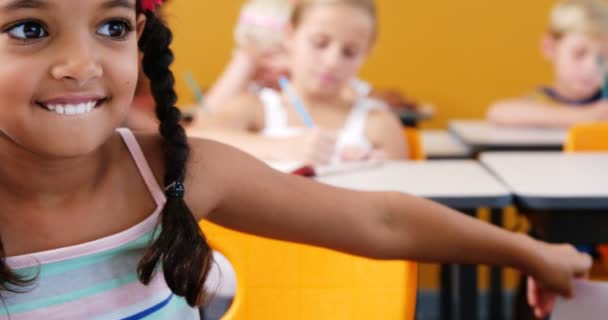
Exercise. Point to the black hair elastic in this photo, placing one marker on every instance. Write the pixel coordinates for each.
(175, 190)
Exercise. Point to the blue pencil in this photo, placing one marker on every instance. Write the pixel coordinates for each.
(194, 87)
(296, 102)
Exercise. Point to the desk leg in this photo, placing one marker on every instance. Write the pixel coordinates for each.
(446, 292)
(496, 289)
(468, 292)
(467, 288)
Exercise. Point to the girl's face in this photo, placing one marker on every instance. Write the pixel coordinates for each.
(329, 46)
(68, 73)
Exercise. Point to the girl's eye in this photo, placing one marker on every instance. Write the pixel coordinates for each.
(349, 53)
(319, 43)
(115, 29)
(28, 30)
(579, 54)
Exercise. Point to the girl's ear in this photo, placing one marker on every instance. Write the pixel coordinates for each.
(141, 24)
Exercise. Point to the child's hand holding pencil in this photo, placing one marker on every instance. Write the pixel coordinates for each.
(311, 146)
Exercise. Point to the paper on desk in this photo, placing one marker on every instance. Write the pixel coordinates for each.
(326, 170)
(346, 167)
(590, 303)
(285, 166)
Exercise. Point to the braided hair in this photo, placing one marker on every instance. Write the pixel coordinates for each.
(181, 250)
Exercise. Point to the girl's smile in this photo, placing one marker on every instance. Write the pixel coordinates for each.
(73, 105)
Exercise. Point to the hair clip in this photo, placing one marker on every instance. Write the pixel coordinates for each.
(150, 5)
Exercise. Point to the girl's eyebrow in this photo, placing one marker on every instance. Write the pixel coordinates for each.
(127, 4)
(25, 4)
(41, 4)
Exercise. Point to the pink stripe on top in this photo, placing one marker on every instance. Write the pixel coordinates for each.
(143, 166)
(110, 242)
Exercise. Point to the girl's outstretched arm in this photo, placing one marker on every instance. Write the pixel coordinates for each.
(248, 196)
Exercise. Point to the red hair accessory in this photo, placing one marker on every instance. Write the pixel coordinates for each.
(150, 5)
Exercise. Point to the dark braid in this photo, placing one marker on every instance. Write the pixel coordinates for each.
(9, 280)
(181, 249)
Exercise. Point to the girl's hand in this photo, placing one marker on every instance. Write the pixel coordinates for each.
(313, 147)
(560, 265)
(267, 64)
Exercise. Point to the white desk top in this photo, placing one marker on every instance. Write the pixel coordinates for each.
(461, 184)
(483, 135)
(442, 144)
(553, 180)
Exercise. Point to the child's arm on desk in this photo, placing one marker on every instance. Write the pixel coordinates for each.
(237, 123)
(234, 80)
(250, 197)
(240, 123)
(526, 112)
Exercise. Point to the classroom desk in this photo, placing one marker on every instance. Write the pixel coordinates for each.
(440, 144)
(570, 188)
(483, 136)
(461, 184)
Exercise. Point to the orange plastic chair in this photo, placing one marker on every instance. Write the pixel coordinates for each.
(413, 140)
(281, 280)
(588, 137)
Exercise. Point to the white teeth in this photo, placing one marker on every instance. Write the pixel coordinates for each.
(91, 105)
(72, 109)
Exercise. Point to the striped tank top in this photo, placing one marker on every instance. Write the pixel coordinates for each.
(98, 279)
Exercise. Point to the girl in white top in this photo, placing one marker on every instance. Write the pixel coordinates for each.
(327, 42)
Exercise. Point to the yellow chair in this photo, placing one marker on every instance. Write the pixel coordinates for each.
(281, 280)
(413, 140)
(588, 137)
